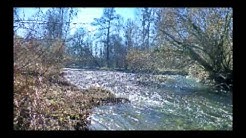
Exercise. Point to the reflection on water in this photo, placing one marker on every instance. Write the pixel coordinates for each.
(169, 108)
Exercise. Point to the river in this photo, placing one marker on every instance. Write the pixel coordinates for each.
(158, 102)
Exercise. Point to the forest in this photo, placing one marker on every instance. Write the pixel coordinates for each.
(159, 41)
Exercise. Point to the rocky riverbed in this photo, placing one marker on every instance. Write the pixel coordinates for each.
(156, 102)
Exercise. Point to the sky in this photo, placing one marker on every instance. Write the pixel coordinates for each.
(84, 17)
(87, 15)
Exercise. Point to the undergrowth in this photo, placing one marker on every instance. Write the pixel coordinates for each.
(43, 99)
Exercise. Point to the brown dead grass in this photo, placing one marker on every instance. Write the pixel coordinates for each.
(43, 100)
(45, 105)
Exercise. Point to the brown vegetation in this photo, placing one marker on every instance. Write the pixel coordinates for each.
(156, 62)
(43, 100)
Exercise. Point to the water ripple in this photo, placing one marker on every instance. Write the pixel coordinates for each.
(158, 102)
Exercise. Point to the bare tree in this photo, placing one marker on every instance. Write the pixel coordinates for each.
(147, 19)
(58, 22)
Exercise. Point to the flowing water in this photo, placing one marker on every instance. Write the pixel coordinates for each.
(158, 102)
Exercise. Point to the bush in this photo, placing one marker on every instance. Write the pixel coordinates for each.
(32, 67)
(157, 60)
(138, 61)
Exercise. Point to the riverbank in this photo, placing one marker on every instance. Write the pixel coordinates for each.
(65, 102)
(55, 104)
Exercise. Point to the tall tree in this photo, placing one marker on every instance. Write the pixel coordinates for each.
(147, 20)
(105, 24)
(129, 33)
(58, 22)
(205, 35)
(57, 26)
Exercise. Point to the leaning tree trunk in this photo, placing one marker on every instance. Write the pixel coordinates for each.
(223, 80)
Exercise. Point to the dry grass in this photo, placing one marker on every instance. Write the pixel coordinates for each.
(53, 106)
(42, 99)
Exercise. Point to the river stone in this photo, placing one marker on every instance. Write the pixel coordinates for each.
(111, 101)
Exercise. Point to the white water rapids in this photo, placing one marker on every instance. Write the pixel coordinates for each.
(158, 102)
